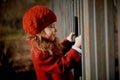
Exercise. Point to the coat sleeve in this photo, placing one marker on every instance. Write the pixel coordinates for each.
(67, 45)
(55, 64)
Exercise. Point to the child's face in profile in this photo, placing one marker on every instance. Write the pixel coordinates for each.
(50, 32)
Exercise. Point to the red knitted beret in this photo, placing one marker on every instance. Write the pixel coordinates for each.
(37, 18)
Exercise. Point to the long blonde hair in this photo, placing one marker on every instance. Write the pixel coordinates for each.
(46, 45)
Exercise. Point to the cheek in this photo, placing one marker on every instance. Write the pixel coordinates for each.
(47, 34)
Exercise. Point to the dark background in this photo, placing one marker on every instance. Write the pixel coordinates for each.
(15, 58)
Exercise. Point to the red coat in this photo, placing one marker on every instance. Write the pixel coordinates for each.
(56, 67)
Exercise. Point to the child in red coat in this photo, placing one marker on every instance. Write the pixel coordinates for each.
(52, 60)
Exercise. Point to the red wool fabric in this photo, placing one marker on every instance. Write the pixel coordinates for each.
(37, 18)
(56, 67)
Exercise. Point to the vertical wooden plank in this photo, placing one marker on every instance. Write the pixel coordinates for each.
(69, 15)
(59, 10)
(82, 33)
(95, 39)
(118, 7)
(109, 38)
(74, 7)
(93, 48)
(116, 52)
(86, 40)
(100, 34)
(78, 14)
(106, 39)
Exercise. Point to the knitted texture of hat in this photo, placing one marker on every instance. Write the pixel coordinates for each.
(37, 18)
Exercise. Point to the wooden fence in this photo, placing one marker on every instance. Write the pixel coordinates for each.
(99, 25)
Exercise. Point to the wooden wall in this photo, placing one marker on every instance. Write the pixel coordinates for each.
(98, 23)
(65, 11)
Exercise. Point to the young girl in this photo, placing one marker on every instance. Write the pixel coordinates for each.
(52, 60)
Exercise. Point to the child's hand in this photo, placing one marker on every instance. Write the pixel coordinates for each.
(78, 41)
(71, 35)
